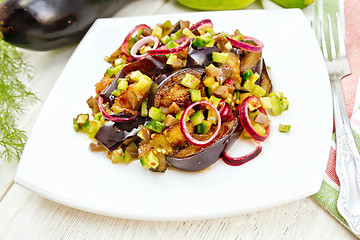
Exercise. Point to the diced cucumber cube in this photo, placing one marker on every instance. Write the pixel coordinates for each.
(258, 91)
(254, 77)
(157, 32)
(284, 127)
(135, 75)
(248, 85)
(116, 92)
(219, 57)
(76, 125)
(208, 81)
(167, 24)
(171, 44)
(275, 105)
(171, 59)
(187, 32)
(212, 117)
(144, 109)
(190, 81)
(94, 127)
(166, 39)
(82, 119)
(284, 104)
(278, 93)
(156, 126)
(203, 127)
(214, 101)
(212, 88)
(197, 118)
(149, 161)
(200, 42)
(143, 84)
(122, 84)
(195, 95)
(265, 102)
(156, 114)
(246, 75)
(259, 129)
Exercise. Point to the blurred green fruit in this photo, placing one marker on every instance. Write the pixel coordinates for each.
(216, 4)
(293, 3)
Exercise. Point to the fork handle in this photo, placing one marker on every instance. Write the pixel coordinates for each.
(347, 160)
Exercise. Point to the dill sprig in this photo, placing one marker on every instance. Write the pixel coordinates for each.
(14, 97)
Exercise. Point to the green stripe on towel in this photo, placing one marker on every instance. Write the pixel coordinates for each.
(327, 196)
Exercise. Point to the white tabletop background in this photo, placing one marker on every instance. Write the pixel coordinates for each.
(26, 215)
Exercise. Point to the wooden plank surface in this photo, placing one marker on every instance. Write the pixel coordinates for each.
(26, 215)
(41, 85)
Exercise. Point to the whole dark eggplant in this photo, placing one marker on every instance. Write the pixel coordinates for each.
(50, 24)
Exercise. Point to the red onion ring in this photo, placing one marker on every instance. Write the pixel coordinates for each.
(225, 112)
(202, 23)
(237, 161)
(124, 45)
(112, 118)
(246, 123)
(186, 133)
(232, 116)
(222, 106)
(258, 48)
(136, 47)
(184, 43)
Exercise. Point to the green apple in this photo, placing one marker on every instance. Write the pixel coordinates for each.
(216, 4)
(293, 3)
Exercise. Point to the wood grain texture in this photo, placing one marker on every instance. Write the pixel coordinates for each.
(141, 8)
(39, 218)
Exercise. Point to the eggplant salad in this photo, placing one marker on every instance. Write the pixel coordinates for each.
(179, 95)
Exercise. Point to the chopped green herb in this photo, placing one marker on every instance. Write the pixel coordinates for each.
(14, 97)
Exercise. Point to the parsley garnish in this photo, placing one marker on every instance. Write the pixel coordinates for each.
(14, 97)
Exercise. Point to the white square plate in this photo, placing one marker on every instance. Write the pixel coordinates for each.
(58, 164)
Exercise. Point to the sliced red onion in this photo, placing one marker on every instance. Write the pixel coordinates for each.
(258, 48)
(186, 133)
(184, 43)
(202, 23)
(222, 106)
(124, 46)
(112, 118)
(245, 120)
(237, 161)
(136, 47)
(226, 112)
(230, 116)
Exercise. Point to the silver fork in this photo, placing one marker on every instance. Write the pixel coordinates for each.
(347, 155)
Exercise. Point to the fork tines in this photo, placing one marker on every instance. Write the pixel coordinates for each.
(336, 52)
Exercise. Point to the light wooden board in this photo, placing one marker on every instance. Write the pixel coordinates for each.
(25, 215)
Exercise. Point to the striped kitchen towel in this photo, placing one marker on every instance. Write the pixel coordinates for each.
(329, 191)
